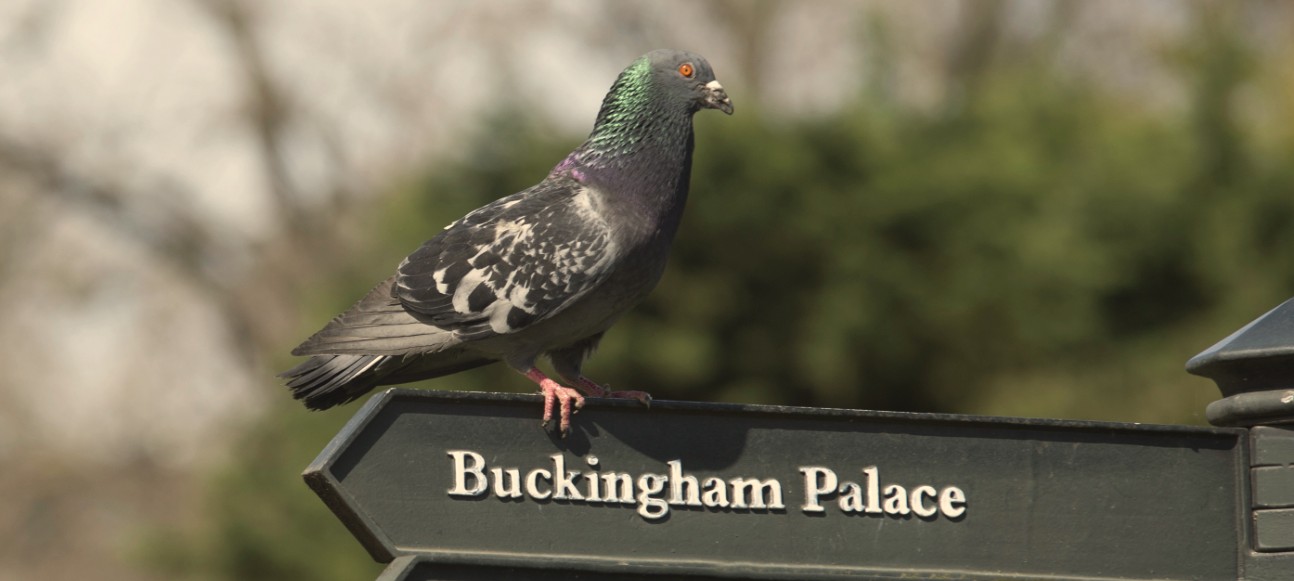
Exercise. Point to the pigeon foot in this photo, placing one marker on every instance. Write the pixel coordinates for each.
(566, 399)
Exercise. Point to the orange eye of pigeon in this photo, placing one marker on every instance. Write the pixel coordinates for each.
(685, 69)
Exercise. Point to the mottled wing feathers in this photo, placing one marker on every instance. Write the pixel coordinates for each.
(509, 264)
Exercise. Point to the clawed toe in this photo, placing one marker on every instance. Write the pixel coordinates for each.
(592, 389)
(642, 396)
(567, 400)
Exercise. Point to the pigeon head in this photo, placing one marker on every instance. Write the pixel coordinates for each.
(687, 77)
(666, 80)
(651, 103)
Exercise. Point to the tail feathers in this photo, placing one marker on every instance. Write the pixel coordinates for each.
(377, 325)
(325, 381)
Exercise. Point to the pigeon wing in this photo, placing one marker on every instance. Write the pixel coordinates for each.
(510, 264)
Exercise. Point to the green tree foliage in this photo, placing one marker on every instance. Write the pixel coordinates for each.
(1044, 248)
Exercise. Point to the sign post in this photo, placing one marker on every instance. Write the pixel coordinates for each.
(447, 485)
(1254, 370)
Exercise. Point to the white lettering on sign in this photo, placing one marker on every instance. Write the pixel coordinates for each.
(923, 500)
(655, 494)
(462, 471)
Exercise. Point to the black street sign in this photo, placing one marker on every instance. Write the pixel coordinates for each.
(469, 486)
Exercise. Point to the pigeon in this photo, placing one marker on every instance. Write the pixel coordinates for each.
(542, 272)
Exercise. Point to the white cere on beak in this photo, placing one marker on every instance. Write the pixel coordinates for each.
(717, 98)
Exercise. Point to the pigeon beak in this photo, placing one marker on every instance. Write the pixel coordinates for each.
(716, 98)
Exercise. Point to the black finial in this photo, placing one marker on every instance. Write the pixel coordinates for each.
(1254, 370)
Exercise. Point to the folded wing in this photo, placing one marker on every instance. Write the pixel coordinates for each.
(509, 265)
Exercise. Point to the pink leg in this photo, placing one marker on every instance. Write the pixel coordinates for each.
(591, 388)
(563, 395)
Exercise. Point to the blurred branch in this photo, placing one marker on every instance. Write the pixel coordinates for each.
(176, 238)
(970, 54)
(156, 218)
(20, 218)
(633, 28)
(267, 107)
(749, 24)
(1221, 62)
(30, 29)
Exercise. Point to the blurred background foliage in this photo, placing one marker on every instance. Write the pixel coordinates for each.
(1036, 246)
